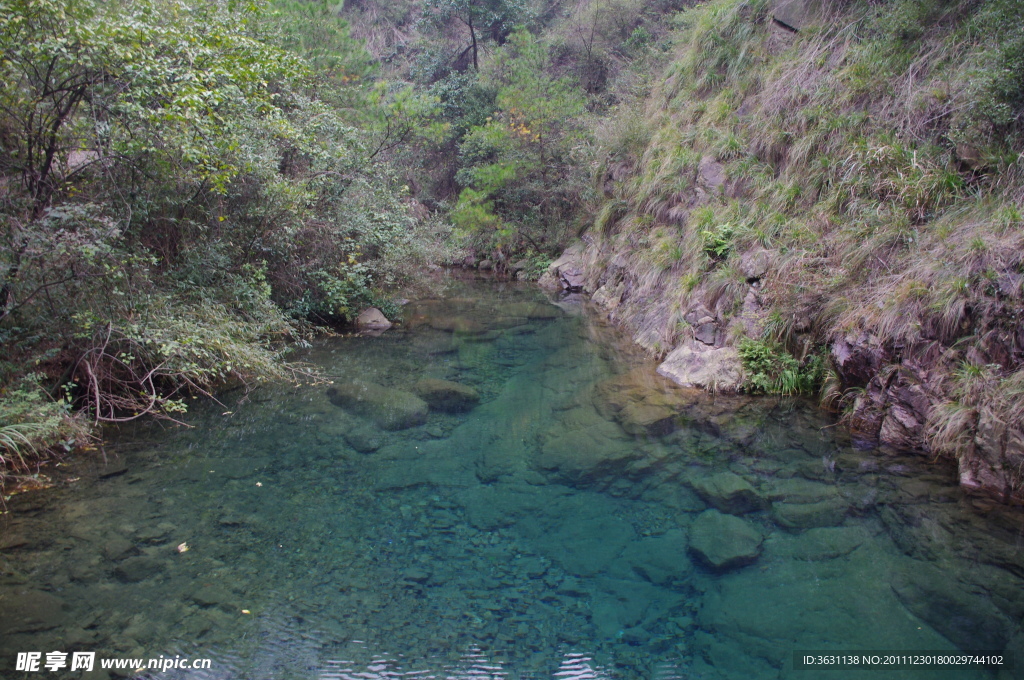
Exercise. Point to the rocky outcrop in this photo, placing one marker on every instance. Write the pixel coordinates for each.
(898, 402)
(798, 14)
(896, 389)
(566, 273)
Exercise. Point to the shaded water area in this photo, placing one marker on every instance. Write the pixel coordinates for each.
(559, 512)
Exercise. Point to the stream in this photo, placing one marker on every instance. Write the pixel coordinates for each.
(502, 487)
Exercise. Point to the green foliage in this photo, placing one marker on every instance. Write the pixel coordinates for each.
(518, 163)
(718, 241)
(31, 423)
(770, 369)
(180, 180)
(484, 20)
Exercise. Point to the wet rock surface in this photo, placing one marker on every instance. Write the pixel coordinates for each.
(372, 319)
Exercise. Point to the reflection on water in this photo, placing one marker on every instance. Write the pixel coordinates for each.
(499, 489)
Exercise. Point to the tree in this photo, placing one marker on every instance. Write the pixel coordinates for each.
(483, 20)
(518, 164)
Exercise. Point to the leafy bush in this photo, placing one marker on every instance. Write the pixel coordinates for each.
(31, 423)
(770, 369)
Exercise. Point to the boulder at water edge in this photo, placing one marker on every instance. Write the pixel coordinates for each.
(372, 319)
(723, 542)
(389, 408)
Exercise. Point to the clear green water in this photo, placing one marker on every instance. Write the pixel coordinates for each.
(550, 532)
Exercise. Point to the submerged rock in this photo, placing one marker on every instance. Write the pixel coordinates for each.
(585, 547)
(457, 324)
(964, 618)
(728, 492)
(724, 542)
(447, 396)
(532, 310)
(802, 504)
(662, 560)
(623, 608)
(116, 547)
(584, 456)
(364, 438)
(818, 544)
(798, 516)
(643, 403)
(136, 569)
(389, 408)
(29, 611)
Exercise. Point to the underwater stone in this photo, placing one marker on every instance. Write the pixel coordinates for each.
(415, 575)
(828, 513)
(136, 569)
(728, 492)
(113, 468)
(532, 310)
(823, 543)
(29, 611)
(661, 560)
(585, 455)
(724, 542)
(585, 547)
(117, 547)
(648, 417)
(364, 439)
(211, 596)
(796, 490)
(446, 396)
(389, 408)
(966, 619)
(455, 324)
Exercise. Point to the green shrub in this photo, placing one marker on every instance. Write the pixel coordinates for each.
(31, 423)
(770, 369)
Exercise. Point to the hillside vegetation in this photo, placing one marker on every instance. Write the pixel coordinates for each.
(841, 203)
